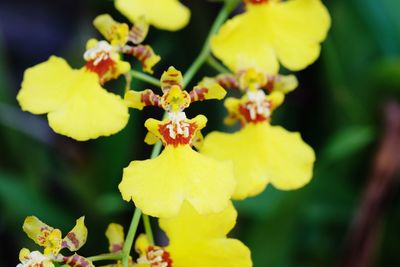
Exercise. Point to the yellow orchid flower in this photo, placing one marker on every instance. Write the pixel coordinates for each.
(163, 14)
(207, 245)
(52, 241)
(159, 186)
(261, 153)
(273, 31)
(74, 100)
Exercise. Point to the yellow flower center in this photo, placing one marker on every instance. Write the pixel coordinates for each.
(156, 257)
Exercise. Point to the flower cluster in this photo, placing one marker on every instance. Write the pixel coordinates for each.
(190, 184)
(52, 241)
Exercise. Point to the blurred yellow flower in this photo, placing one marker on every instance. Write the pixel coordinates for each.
(261, 153)
(196, 240)
(52, 241)
(159, 186)
(164, 14)
(273, 31)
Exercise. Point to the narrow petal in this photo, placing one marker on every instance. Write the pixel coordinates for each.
(46, 86)
(37, 230)
(115, 236)
(164, 14)
(141, 244)
(76, 238)
(159, 186)
(90, 112)
(261, 154)
(77, 261)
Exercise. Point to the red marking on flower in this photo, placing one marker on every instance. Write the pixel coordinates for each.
(198, 94)
(116, 247)
(140, 52)
(269, 86)
(149, 98)
(72, 237)
(76, 261)
(45, 234)
(175, 135)
(101, 67)
(255, 2)
(255, 118)
(227, 81)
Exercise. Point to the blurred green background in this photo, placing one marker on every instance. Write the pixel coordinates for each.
(338, 109)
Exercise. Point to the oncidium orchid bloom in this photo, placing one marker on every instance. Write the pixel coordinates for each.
(52, 241)
(207, 245)
(75, 102)
(261, 153)
(273, 31)
(164, 14)
(159, 186)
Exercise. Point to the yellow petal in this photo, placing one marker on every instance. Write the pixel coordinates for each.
(54, 243)
(23, 254)
(243, 43)
(116, 33)
(290, 31)
(90, 111)
(207, 89)
(213, 225)
(164, 14)
(46, 86)
(115, 236)
(37, 230)
(141, 244)
(159, 186)
(298, 28)
(200, 240)
(263, 153)
(76, 238)
(224, 252)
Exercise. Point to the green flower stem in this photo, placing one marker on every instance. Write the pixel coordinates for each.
(212, 62)
(126, 250)
(145, 78)
(147, 228)
(106, 256)
(228, 7)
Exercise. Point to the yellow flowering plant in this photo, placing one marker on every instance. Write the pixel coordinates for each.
(188, 186)
(262, 153)
(74, 100)
(52, 241)
(159, 186)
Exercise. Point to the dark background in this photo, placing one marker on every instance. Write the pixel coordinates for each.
(339, 109)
